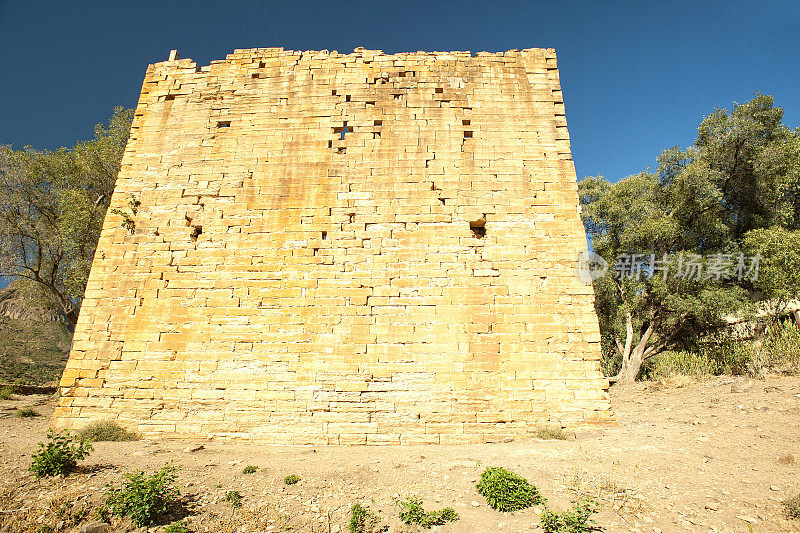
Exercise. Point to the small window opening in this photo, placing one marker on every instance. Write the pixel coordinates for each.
(378, 123)
(169, 97)
(315, 251)
(261, 64)
(324, 235)
(196, 231)
(370, 102)
(376, 135)
(343, 130)
(401, 74)
(465, 122)
(255, 75)
(330, 144)
(478, 228)
(333, 92)
(347, 98)
(468, 135)
(352, 217)
(439, 90)
(443, 201)
(223, 123)
(397, 96)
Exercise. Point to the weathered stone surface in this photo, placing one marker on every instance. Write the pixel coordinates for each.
(342, 249)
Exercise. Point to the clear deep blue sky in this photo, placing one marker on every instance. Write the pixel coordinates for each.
(637, 76)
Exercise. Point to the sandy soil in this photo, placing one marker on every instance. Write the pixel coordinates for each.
(693, 456)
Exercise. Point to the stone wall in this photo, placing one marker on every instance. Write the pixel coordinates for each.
(342, 249)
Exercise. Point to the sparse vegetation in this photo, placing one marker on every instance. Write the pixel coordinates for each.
(106, 431)
(146, 500)
(177, 527)
(505, 491)
(550, 433)
(234, 497)
(792, 507)
(574, 520)
(363, 520)
(412, 513)
(250, 469)
(291, 479)
(7, 392)
(25, 412)
(60, 455)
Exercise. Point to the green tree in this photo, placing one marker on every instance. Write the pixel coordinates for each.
(741, 175)
(52, 206)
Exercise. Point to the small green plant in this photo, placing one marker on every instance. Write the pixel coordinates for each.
(574, 520)
(127, 216)
(106, 431)
(411, 512)
(505, 491)
(45, 529)
(550, 433)
(234, 497)
(25, 412)
(147, 500)
(177, 527)
(292, 479)
(6, 393)
(792, 507)
(60, 455)
(250, 469)
(363, 520)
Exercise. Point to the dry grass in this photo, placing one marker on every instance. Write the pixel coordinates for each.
(106, 431)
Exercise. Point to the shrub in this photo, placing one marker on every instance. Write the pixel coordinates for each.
(25, 412)
(145, 499)
(60, 455)
(575, 520)
(250, 469)
(550, 433)
(6, 393)
(234, 497)
(363, 520)
(671, 363)
(782, 346)
(792, 507)
(177, 527)
(411, 512)
(106, 431)
(292, 479)
(505, 491)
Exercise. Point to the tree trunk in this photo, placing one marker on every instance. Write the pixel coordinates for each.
(633, 357)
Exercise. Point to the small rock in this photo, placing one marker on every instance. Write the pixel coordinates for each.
(741, 385)
(746, 518)
(96, 527)
(774, 488)
(476, 504)
(714, 506)
(195, 448)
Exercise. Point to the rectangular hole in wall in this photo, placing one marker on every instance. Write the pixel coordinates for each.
(370, 102)
(333, 92)
(465, 122)
(439, 90)
(324, 235)
(261, 64)
(347, 98)
(255, 75)
(397, 96)
(377, 123)
(330, 144)
(223, 123)
(376, 135)
(468, 135)
(478, 228)
(169, 97)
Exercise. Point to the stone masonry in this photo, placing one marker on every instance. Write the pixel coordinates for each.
(325, 248)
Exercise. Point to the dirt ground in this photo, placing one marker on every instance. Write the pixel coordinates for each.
(683, 456)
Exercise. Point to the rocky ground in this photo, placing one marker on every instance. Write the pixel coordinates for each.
(717, 455)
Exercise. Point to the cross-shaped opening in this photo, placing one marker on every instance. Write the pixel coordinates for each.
(343, 130)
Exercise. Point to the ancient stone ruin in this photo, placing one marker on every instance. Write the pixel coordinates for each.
(325, 248)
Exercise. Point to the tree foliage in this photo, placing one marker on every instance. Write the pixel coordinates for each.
(52, 206)
(733, 195)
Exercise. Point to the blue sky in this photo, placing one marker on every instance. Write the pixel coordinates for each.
(637, 76)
